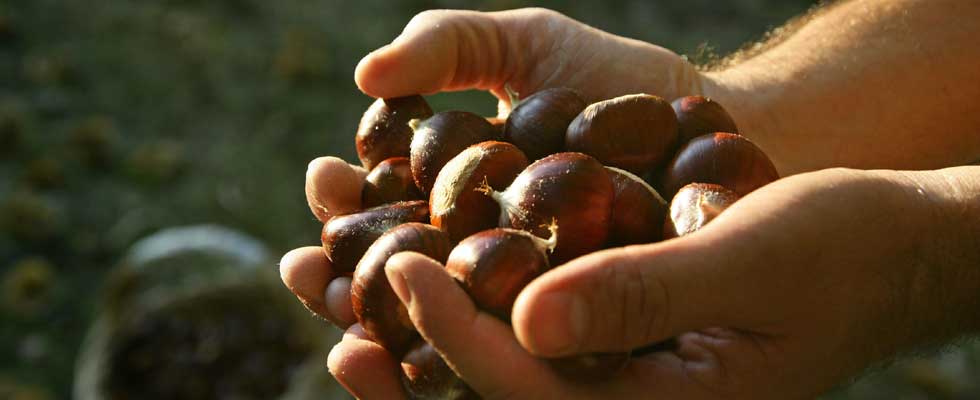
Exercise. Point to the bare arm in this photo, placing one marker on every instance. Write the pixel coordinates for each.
(864, 84)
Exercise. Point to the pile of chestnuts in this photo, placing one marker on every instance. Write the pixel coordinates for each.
(500, 202)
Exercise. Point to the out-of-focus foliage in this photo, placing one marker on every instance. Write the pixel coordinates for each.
(119, 118)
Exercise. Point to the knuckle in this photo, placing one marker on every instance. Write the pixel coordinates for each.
(632, 306)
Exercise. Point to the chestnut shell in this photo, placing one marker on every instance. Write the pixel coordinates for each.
(637, 210)
(634, 132)
(537, 125)
(726, 159)
(425, 375)
(493, 267)
(454, 204)
(390, 181)
(699, 115)
(384, 133)
(382, 315)
(572, 190)
(440, 138)
(696, 205)
(345, 238)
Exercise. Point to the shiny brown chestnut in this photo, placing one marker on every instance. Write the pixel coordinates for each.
(426, 376)
(634, 132)
(384, 133)
(441, 137)
(390, 181)
(454, 205)
(694, 206)
(384, 318)
(537, 124)
(345, 238)
(725, 159)
(637, 211)
(571, 189)
(699, 115)
(591, 367)
(493, 266)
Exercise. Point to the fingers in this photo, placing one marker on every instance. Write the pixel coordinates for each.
(306, 271)
(479, 347)
(620, 299)
(333, 187)
(338, 303)
(365, 368)
(444, 50)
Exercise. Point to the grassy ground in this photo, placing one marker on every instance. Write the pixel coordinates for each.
(118, 118)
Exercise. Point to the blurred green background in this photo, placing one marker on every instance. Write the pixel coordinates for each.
(121, 118)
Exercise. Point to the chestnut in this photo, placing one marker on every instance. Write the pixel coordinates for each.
(441, 137)
(699, 115)
(726, 159)
(538, 123)
(694, 206)
(390, 181)
(493, 266)
(498, 125)
(345, 238)
(637, 211)
(591, 367)
(384, 318)
(425, 375)
(384, 133)
(454, 205)
(634, 132)
(571, 189)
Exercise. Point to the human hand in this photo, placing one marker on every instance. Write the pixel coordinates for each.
(794, 288)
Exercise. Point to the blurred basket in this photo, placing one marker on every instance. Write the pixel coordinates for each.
(207, 293)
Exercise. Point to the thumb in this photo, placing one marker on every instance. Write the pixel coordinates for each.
(620, 299)
(444, 50)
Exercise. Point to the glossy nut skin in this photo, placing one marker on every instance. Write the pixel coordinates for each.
(699, 115)
(493, 267)
(537, 125)
(454, 204)
(725, 159)
(591, 367)
(696, 205)
(376, 306)
(345, 238)
(635, 132)
(637, 210)
(390, 181)
(426, 376)
(384, 133)
(440, 138)
(572, 190)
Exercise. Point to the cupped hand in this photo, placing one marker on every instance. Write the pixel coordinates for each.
(796, 287)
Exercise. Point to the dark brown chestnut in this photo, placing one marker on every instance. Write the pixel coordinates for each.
(570, 189)
(384, 133)
(694, 206)
(440, 138)
(637, 211)
(591, 367)
(634, 132)
(537, 124)
(384, 318)
(390, 181)
(493, 266)
(425, 375)
(726, 159)
(454, 205)
(699, 115)
(498, 125)
(345, 238)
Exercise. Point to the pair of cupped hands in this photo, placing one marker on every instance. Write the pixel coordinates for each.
(796, 287)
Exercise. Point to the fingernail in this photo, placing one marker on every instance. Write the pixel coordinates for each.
(562, 323)
(397, 282)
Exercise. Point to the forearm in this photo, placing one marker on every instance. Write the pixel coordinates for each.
(945, 293)
(864, 84)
